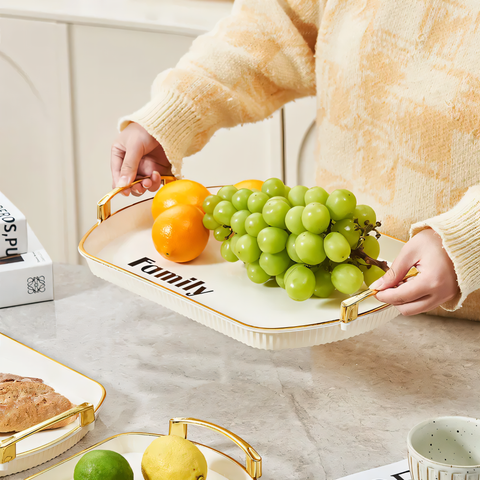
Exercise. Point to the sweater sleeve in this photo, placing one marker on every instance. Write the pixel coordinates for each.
(459, 229)
(252, 63)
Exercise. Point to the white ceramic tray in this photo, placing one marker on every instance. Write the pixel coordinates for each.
(18, 359)
(132, 446)
(217, 293)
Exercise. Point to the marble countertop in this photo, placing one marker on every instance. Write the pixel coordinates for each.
(191, 17)
(313, 413)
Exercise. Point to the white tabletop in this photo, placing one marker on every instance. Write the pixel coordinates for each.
(313, 413)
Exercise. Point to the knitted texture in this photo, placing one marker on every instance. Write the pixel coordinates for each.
(459, 229)
(398, 105)
(254, 62)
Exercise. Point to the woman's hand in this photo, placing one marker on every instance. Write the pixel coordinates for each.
(135, 153)
(434, 285)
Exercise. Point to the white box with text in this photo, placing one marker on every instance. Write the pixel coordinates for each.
(27, 277)
(13, 229)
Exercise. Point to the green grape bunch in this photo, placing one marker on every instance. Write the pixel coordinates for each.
(313, 243)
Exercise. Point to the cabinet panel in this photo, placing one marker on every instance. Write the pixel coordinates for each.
(36, 161)
(300, 142)
(244, 152)
(113, 70)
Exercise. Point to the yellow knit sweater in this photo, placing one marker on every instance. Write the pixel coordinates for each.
(398, 106)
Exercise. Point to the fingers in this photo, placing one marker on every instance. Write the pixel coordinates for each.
(155, 180)
(128, 172)
(136, 193)
(140, 188)
(412, 297)
(422, 305)
(147, 183)
(151, 184)
(136, 154)
(400, 267)
(116, 159)
(407, 292)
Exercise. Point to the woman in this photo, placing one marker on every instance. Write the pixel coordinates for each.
(398, 104)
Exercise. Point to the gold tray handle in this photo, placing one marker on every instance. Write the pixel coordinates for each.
(104, 210)
(349, 307)
(178, 426)
(8, 447)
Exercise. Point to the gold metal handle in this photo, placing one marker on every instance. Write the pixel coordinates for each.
(8, 447)
(178, 426)
(103, 206)
(349, 307)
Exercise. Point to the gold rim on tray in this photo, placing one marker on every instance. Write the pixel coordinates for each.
(348, 307)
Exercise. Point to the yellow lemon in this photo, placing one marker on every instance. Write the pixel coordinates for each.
(173, 458)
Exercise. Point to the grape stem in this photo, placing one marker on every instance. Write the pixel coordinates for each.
(368, 227)
(359, 253)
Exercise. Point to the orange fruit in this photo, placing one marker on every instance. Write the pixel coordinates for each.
(178, 233)
(251, 184)
(186, 192)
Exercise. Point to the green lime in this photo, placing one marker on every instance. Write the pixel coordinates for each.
(102, 465)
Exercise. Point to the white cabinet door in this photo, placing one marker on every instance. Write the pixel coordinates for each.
(36, 161)
(112, 71)
(300, 142)
(251, 151)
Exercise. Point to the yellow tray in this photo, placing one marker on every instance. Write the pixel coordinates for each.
(119, 249)
(132, 446)
(33, 447)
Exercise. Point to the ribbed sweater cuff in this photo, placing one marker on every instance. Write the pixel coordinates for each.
(459, 229)
(172, 121)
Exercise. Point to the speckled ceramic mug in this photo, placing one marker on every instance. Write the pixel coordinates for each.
(445, 448)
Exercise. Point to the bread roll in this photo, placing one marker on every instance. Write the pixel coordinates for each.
(26, 401)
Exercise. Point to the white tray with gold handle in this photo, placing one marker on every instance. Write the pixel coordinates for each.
(32, 447)
(217, 293)
(132, 446)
